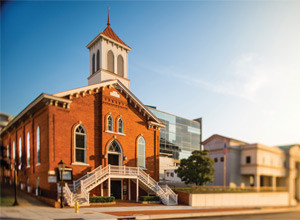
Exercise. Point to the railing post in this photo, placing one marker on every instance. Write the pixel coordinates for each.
(124, 169)
(73, 185)
(108, 168)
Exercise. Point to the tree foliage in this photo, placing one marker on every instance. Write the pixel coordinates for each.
(197, 169)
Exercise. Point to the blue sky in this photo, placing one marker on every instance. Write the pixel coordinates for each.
(235, 64)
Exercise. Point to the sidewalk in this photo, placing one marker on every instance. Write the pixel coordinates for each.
(139, 212)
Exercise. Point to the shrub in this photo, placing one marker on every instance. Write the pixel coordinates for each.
(101, 199)
(150, 198)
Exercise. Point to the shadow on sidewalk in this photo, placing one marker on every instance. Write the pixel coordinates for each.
(24, 199)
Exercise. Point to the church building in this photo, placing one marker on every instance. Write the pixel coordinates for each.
(107, 138)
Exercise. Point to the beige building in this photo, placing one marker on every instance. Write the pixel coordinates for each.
(255, 165)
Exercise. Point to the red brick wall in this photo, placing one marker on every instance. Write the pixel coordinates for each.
(183, 197)
(57, 126)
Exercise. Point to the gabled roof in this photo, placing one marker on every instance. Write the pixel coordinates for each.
(108, 32)
(119, 86)
(220, 136)
(38, 103)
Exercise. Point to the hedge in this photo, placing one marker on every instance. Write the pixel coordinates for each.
(101, 199)
(150, 198)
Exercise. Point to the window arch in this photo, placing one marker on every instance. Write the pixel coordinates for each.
(20, 150)
(80, 144)
(110, 61)
(93, 64)
(120, 125)
(110, 123)
(38, 145)
(98, 59)
(120, 65)
(114, 147)
(28, 149)
(141, 152)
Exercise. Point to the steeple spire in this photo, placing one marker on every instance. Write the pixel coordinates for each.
(108, 22)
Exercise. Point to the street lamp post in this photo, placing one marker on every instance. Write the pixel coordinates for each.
(61, 167)
(15, 184)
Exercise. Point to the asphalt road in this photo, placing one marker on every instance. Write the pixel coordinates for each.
(273, 216)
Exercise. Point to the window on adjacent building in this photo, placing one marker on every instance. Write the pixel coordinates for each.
(110, 61)
(110, 123)
(28, 149)
(120, 125)
(222, 159)
(93, 64)
(98, 60)
(248, 159)
(80, 144)
(120, 65)
(141, 152)
(14, 150)
(172, 174)
(38, 145)
(216, 159)
(168, 174)
(20, 150)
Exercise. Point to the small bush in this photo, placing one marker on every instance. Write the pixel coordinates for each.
(102, 199)
(150, 198)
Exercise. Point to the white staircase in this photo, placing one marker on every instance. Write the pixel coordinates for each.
(79, 190)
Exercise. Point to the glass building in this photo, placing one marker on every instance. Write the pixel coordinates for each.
(180, 137)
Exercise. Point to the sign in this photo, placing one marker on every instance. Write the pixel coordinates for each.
(115, 94)
(67, 174)
(52, 179)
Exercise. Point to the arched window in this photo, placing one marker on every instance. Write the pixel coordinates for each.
(14, 150)
(98, 60)
(80, 144)
(141, 152)
(114, 147)
(20, 150)
(120, 65)
(93, 64)
(28, 149)
(120, 125)
(38, 145)
(110, 61)
(110, 123)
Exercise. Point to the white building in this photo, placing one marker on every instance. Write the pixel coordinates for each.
(256, 165)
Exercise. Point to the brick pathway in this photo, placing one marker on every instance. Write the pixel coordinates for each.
(173, 211)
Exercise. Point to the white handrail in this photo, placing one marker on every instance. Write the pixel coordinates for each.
(68, 194)
(98, 175)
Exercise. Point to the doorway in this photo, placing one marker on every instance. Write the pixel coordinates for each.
(115, 153)
(113, 159)
(116, 187)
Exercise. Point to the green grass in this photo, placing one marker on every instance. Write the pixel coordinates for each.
(6, 200)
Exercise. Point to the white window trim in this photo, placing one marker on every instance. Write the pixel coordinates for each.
(28, 151)
(112, 132)
(112, 123)
(85, 149)
(144, 162)
(80, 164)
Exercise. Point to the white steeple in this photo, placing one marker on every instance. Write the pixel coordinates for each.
(108, 57)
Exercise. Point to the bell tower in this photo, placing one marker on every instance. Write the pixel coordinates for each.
(108, 57)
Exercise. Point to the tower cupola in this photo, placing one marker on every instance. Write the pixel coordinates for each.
(108, 57)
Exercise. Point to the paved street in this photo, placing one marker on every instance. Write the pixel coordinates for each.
(275, 216)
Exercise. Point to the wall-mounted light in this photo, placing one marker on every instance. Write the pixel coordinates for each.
(105, 156)
(125, 158)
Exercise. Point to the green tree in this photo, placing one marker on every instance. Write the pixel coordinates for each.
(197, 169)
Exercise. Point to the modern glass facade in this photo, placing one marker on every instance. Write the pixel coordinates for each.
(180, 136)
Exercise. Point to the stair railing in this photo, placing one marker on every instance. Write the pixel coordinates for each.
(68, 194)
(84, 192)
